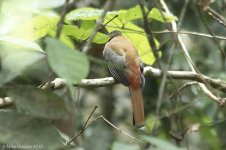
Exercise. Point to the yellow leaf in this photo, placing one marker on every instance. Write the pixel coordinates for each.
(37, 27)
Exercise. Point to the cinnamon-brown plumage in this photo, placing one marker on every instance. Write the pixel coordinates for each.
(126, 67)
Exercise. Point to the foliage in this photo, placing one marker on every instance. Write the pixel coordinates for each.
(123, 23)
(64, 63)
(26, 131)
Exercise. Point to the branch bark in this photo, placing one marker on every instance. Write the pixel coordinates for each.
(149, 71)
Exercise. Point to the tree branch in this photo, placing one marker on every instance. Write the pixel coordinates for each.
(149, 71)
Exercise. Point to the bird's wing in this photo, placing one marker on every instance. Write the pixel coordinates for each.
(116, 65)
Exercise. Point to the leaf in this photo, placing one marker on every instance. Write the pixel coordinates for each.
(88, 24)
(100, 38)
(20, 43)
(14, 62)
(153, 123)
(69, 64)
(39, 103)
(124, 16)
(122, 146)
(37, 27)
(87, 13)
(17, 129)
(161, 144)
(71, 30)
(64, 38)
(83, 34)
(136, 35)
(131, 14)
(161, 16)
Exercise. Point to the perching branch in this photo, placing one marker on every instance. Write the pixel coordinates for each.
(149, 71)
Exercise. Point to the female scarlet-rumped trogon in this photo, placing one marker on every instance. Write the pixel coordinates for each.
(126, 67)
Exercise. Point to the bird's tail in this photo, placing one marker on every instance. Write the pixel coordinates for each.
(138, 106)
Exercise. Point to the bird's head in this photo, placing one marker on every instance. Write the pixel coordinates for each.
(114, 34)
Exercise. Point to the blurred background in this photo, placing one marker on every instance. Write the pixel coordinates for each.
(185, 118)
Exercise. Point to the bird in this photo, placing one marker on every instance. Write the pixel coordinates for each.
(126, 67)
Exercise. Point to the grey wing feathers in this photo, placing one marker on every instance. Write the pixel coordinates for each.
(119, 76)
(116, 65)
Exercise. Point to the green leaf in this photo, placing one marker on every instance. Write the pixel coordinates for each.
(153, 123)
(131, 14)
(20, 43)
(21, 130)
(88, 24)
(15, 61)
(136, 13)
(100, 38)
(39, 103)
(156, 14)
(122, 146)
(161, 144)
(123, 15)
(67, 63)
(87, 13)
(71, 30)
(64, 38)
(83, 34)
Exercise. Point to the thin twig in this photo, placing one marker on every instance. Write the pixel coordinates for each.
(110, 20)
(169, 31)
(216, 16)
(223, 55)
(130, 136)
(102, 117)
(182, 88)
(149, 34)
(61, 21)
(58, 32)
(172, 112)
(163, 83)
(182, 14)
(153, 46)
(83, 128)
(107, 6)
(191, 33)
